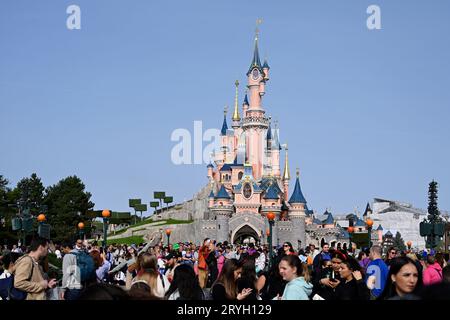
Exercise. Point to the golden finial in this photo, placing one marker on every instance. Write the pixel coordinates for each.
(298, 172)
(225, 110)
(236, 116)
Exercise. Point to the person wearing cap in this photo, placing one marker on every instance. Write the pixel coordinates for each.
(171, 264)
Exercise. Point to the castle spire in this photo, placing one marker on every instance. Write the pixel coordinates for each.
(223, 132)
(256, 62)
(236, 116)
(286, 174)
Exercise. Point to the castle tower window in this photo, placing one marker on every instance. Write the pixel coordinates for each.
(240, 175)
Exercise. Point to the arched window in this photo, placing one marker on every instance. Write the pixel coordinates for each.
(240, 175)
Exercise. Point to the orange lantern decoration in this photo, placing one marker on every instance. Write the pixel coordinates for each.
(409, 244)
(351, 229)
(81, 225)
(369, 223)
(41, 217)
(168, 232)
(106, 213)
(271, 216)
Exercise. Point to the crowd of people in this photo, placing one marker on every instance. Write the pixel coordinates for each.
(219, 271)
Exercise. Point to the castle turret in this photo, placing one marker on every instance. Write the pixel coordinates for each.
(380, 234)
(297, 213)
(222, 210)
(271, 204)
(275, 152)
(210, 171)
(266, 69)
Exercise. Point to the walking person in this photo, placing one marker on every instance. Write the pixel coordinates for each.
(28, 276)
(202, 265)
(376, 273)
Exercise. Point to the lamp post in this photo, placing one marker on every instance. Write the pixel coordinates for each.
(81, 230)
(168, 232)
(409, 244)
(271, 218)
(369, 223)
(105, 214)
(350, 230)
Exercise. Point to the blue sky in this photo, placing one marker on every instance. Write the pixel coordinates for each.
(365, 112)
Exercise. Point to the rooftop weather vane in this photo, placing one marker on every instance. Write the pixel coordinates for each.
(258, 22)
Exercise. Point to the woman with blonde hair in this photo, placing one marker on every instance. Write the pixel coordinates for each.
(147, 273)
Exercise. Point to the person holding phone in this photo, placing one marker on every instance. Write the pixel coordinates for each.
(28, 276)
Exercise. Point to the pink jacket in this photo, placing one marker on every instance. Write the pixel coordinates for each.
(432, 274)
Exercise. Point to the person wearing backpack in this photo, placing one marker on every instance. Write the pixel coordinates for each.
(6, 277)
(28, 276)
(71, 282)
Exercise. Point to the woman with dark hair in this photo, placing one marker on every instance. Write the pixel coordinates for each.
(351, 286)
(288, 249)
(248, 278)
(225, 287)
(297, 275)
(403, 282)
(185, 285)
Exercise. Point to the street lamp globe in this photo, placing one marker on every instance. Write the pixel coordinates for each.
(81, 225)
(351, 229)
(41, 217)
(106, 213)
(271, 216)
(369, 223)
(168, 232)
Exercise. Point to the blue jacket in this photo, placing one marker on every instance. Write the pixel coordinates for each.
(297, 289)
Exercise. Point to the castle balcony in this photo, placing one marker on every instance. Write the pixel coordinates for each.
(259, 122)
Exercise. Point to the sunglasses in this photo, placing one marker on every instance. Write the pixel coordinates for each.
(285, 245)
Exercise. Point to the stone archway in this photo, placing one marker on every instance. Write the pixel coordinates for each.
(244, 234)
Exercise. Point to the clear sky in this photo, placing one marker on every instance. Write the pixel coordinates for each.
(365, 112)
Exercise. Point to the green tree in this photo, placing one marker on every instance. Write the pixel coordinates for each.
(6, 212)
(68, 204)
(31, 192)
(398, 242)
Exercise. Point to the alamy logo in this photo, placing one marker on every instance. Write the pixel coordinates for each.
(374, 20)
(74, 20)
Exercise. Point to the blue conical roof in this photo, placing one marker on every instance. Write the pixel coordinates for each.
(246, 100)
(256, 61)
(266, 65)
(210, 165)
(271, 193)
(380, 228)
(329, 219)
(223, 194)
(224, 126)
(360, 223)
(297, 195)
(269, 133)
(211, 194)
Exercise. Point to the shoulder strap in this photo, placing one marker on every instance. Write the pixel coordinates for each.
(162, 280)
